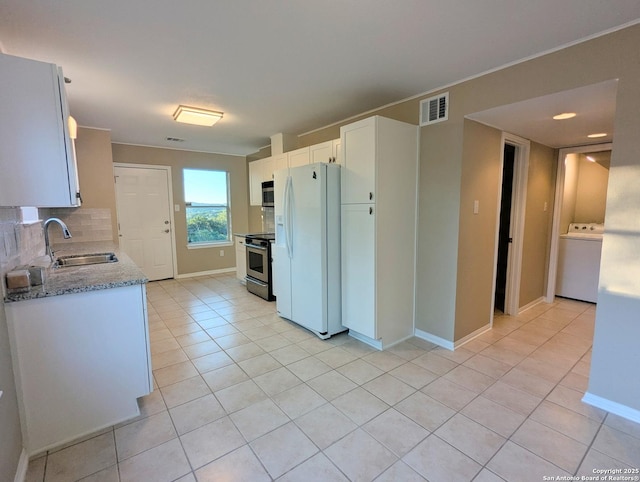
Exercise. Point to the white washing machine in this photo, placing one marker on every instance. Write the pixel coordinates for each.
(579, 262)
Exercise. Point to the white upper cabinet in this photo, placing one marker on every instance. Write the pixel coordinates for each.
(280, 161)
(299, 157)
(37, 161)
(359, 177)
(337, 151)
(259, 172)
(322, 152)
(325, 152)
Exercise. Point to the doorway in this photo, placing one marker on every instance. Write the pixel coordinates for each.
(567, 206)
(145, 219)
(510, 226)
(504, 230)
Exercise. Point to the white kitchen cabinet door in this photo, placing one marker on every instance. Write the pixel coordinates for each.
(325, 152)
(255, 182)
(299, 157)
(358, 269)
(280, 161)
(359, 148)
(268, 164)
(322, 152)
(337, 153)
(241, 259)
(36, 152)
(80, 362)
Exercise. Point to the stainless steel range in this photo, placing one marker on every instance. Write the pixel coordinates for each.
(259, 277)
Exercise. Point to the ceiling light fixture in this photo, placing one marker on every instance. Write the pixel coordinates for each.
(196, 116)
(564, 115)
(596, 135)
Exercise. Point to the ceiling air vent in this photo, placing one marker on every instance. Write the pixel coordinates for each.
(434, 109)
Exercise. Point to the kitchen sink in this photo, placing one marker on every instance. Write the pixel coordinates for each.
(85, 259)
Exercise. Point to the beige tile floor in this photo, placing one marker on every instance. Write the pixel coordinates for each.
(243, 395)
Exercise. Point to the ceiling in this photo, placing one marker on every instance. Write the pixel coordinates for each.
(273, 66)
(594, 106)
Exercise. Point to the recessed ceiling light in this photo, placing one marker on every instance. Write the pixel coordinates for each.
(196, 116)
(564, 115)
(590, 159)
(596, 135)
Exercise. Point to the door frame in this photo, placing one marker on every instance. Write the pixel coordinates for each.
(518, 206)
(171, 204)
(557, 211)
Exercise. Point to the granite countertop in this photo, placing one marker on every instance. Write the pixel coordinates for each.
(78, 279)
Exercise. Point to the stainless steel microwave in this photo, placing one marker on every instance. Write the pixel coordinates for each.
(267, 194)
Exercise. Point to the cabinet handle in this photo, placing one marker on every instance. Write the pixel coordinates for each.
(370, 210)
(166, 230)
(370, 196)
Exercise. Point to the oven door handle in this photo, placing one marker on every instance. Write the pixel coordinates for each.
(251, 279)
(255, 246)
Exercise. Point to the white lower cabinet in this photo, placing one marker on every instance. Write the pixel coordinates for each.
(241, 259)
(80, 362)
(358, 268)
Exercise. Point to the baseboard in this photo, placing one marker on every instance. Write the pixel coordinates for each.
(471, 336)
(206, 273)
(613, 407)
(449, 345)
(542, 299)
(23, 465)
(377, 344)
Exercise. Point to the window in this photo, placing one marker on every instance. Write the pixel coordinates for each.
(206, 196)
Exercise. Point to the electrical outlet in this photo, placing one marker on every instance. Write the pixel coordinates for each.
(222, 252)
(476, 206)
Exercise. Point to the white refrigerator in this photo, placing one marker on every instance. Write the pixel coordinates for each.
(306, 252)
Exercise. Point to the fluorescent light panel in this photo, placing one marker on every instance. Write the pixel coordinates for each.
(596, 135)
(196, 116)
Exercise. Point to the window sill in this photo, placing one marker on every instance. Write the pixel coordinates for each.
(210, 245)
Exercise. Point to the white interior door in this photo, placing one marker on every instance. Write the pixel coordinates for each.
(144, 218)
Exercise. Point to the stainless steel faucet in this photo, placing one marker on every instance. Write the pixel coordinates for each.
(65, 233)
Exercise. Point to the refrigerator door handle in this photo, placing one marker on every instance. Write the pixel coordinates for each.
(287, 217)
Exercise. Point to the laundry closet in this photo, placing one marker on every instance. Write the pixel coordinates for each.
(582, 224)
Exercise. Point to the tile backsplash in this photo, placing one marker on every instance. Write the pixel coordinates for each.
(268, 220)
(85, 224)
(19, 243)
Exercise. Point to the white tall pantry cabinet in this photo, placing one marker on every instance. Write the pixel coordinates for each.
(378, 222)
